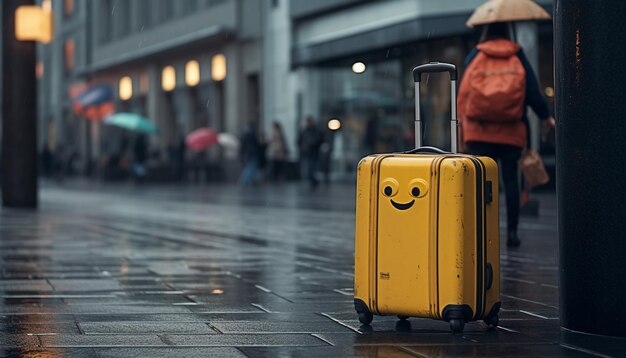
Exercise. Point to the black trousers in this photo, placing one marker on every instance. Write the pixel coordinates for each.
(507, 157)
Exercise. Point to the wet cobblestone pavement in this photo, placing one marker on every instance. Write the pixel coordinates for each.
(221, 271)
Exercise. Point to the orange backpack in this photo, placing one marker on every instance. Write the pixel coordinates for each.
(497, 87)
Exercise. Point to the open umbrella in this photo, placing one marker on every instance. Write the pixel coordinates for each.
(507, 11)
(201, 139)
(131, 121)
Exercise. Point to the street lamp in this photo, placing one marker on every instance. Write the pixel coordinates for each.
(168, 78)
(125, 88)
(192, 73)
(358, 67)
(34, 23)
(218, 67)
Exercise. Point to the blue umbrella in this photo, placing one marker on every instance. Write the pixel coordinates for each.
(131, 121)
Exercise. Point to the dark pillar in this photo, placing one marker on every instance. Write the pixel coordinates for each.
(590, 79)
(19, 113)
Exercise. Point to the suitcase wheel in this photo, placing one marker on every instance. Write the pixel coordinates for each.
(403, 318)
(457, 325)
(492, 321)
(365, 317)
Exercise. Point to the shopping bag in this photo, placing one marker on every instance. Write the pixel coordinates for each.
(533, 169)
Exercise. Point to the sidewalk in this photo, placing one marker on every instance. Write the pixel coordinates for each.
(221, 271)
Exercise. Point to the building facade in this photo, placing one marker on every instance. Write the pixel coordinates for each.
(187, 64)
(183, 64)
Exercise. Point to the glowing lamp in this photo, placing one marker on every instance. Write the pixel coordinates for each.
(218, 67)
(126, 88)
(192, 73)
(168, 78)
(33, 23)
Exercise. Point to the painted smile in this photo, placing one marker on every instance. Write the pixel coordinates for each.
(404, 206)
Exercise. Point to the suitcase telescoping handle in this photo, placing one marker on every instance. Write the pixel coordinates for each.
(434, 67)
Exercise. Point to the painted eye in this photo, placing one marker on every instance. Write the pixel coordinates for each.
(418, 188)
(389, 187)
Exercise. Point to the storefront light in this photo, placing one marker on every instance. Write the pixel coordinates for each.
(168, 78)
(125, 88)
(192, 73)
(334, 124)
(218, 67)
(358, 67)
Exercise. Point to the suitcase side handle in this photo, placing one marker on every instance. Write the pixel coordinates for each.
(435, 67)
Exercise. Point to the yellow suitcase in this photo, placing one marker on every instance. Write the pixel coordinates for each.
(427, 231)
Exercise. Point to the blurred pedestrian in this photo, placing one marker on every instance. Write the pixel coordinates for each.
(277, 152)
(497, 86)
(326, 153)
(250, 155)
(140, 152)
(309, 142)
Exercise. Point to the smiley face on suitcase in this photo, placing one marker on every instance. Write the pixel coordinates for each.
(416, 188)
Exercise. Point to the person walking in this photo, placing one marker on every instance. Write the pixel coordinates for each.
(277, 152)
(309, 142)
(497, 86)
(250, 155)
(140, 151)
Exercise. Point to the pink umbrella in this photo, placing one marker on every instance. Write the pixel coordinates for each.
(201, 139)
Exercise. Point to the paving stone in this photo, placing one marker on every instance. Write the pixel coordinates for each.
(496, 350)
(48, 353)
(279, 327)
(173, 352)
(243, 340)
(90, 285)
(145, 328)
(316, 352)
(17, 340)
(65, 340)
(38, 327)
(25, 285)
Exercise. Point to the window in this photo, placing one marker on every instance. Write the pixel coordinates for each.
(68, 51)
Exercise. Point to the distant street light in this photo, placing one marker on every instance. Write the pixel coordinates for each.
(192, 73)
(126, 88)
(358, 67)
(218, 67)
(334, 124)
(168, 78)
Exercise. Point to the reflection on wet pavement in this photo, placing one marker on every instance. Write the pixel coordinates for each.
(222, 271)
